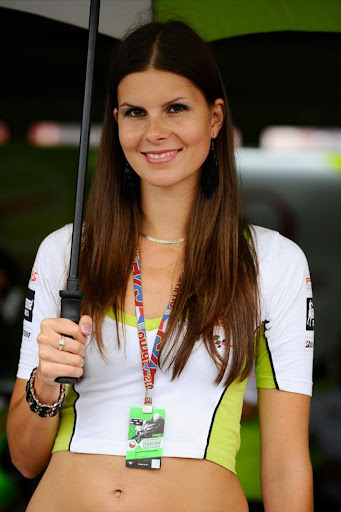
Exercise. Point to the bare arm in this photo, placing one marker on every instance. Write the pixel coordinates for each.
(286, 472)
(31, 437)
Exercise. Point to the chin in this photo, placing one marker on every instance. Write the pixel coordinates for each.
(170, 179)
(163, 184)
(160, 179)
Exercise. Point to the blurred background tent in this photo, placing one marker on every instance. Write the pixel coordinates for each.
(280, 64)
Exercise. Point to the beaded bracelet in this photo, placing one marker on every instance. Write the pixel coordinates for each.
(44, 410)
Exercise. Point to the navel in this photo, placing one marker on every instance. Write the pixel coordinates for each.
(117, 493)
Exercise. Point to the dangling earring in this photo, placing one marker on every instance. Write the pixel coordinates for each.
(209, 173)
(128, 184)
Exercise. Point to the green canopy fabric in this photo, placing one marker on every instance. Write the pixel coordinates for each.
(218, 19)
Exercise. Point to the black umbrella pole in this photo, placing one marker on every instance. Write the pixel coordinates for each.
(71, 298)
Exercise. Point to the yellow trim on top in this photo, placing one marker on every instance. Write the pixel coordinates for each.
(224, 440)
(67, 420)
(127, 319)
(264, 374)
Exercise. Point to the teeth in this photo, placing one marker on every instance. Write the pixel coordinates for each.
(161, 155)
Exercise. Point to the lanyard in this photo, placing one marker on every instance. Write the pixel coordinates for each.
(149, 366)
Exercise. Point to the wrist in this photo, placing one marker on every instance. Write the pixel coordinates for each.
(43, 409)
(45, 393)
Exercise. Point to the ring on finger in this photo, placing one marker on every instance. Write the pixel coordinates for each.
(61, 343)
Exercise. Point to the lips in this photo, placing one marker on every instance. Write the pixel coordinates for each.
(161, 156)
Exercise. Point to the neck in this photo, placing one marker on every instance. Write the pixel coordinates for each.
(165, 212)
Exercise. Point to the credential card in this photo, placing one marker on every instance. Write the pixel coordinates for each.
(145, 438)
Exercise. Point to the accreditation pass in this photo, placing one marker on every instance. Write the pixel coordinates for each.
(145, 438)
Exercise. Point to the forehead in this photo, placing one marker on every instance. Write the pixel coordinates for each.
(156, 84)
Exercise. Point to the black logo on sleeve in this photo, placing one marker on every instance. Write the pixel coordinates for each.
(29, 305)
(310, 315)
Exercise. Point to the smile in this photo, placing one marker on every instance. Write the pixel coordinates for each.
(163, 157)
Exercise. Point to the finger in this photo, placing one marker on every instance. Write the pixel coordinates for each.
(85, 324)
(51, 370)
(50, 354)
(49, 338)
(69, 345)
(63, 326)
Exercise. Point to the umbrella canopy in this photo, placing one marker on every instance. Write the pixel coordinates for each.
(218, 19)
(115, 15)
(214, 19)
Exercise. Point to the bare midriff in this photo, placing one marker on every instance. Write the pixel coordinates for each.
(101, 483)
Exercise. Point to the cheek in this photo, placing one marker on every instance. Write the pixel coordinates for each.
(200, 145)
(128, 138)
(200, 141)
(199, 132)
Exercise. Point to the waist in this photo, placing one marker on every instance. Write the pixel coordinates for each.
(82, 482)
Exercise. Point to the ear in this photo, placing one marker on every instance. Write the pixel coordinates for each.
(218, 115)
(115, 112)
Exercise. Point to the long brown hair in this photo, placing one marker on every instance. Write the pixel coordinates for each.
(220, 281)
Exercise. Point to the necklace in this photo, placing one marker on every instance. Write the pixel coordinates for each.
(160, 241)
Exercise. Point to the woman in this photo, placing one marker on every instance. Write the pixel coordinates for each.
(163, 212)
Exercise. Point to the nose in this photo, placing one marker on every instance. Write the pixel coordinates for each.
(156, 129)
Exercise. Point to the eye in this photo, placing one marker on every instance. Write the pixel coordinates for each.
(134, 112)
(176, 108)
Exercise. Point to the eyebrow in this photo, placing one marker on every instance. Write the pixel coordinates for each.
(164, 105)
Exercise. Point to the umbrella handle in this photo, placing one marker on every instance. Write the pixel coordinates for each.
(70, 308)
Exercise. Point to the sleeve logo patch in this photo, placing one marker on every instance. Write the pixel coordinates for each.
(308, 283)
(34, 275)
(29, 305)
(310, 315)
(308, 344)
(27, 334)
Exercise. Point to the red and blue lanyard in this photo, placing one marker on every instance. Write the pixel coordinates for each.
(149, 366)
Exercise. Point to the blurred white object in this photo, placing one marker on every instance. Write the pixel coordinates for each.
(291, 138)
(52, 134)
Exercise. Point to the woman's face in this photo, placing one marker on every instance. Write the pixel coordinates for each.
(165, 127)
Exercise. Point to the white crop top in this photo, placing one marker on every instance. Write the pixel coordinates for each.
(203, 419)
